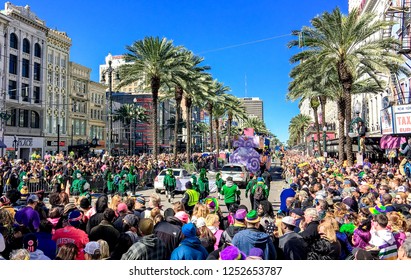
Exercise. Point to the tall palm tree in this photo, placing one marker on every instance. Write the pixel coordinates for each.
(154, 61)
(299, 124)
(343, 42)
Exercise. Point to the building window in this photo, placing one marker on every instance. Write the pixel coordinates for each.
(13, 41)
(63, 62)
(26, 45)
(35, 119)
(25, 69)
(23, 118)
(49, 77)
(13, 64)
(37, 50)
(25, 92)
(36, 94)
(50, 124)
(12, 120)
(37, 71)
(12, 89)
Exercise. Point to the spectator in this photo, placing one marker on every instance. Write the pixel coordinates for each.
(105, 230)
(190, 248)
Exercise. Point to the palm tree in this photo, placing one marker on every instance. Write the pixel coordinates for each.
(342, 42)
(298, 125)
(155, 62)
(257, 124)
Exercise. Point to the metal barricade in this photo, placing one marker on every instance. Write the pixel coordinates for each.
(36, 185)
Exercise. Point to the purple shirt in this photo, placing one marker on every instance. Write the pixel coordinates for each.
(28, 217)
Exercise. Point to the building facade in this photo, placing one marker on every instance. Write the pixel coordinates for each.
(253, 106)
(97, 114)
(79, 101)
(23, 80)
(57, 92)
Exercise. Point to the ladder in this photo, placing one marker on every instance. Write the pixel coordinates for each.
(397, 90)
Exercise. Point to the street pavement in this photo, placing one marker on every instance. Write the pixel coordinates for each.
(277, 185)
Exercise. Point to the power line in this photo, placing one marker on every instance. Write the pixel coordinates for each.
(246, 43)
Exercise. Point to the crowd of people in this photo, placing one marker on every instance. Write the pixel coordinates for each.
(328, 211)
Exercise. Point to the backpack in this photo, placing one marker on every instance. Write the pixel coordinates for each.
(259, 193)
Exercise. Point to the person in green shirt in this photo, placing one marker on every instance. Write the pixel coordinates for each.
(170, 184)
(249, 187)
(122, 186)
(24, 182)
(203, 184)
(260, 192)
(219, 183)
(231, 193)
(132, 181)
(194, 182)
(108, 177)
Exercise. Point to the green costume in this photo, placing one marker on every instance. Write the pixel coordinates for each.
(170, 183)
(194, 182)
(250, 186)
(219, 182)
(230, 192)
(77, 188)
(203, 184)
(109, 181)
(264, 186)
(122, 186)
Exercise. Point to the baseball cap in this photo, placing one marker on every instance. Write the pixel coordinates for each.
(33, 198)
(297, 211)
(240, 214)
(288, 221)
(122, 207)
(91, 247)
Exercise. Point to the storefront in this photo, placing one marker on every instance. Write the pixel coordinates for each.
(52, 145)
(24, 146)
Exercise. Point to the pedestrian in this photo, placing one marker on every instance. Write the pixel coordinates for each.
(251, 237)
(260, 192)
(149, 247)
(291, 244)
(170, 184)
(231, 193)
(27, 216)
(106, 230)
(190, 247)
(30, 243)
(190, 198)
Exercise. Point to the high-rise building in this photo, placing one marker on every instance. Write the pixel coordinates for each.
(253, 107)
(23, 81)
(56, 99)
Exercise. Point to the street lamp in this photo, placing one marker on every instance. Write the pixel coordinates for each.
(15, 145)
(109, 71)
(325, 139)
(312, 143)
(354, 124)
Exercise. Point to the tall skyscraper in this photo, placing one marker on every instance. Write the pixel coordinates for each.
(253, 106)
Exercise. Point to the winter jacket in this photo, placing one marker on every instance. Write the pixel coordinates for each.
(229, 233)
(230, 192)
(250, 238)
(293, 246)
(107, 232)
(149, 247)
(170, 234)
(385, 241)
(190, 249)
(310, 234)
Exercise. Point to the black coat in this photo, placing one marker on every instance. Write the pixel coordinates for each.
(170, 234)
(107, 232)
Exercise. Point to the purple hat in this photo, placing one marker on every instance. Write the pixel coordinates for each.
(240, 214)
(232, 253)
(256, 252)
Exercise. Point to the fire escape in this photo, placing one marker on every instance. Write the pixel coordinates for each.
(399, 12)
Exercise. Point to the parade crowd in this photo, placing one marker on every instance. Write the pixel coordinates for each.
(328, 211)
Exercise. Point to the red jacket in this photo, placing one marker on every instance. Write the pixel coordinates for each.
(70, 234)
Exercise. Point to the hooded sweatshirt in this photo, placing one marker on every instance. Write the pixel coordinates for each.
(150, 247)
(230, 192)
(250, 238)
(385, 241)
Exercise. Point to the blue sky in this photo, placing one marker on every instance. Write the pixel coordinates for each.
(208, 28)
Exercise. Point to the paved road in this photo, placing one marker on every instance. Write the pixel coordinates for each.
(274, 197)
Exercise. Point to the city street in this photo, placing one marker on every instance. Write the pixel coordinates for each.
(277, 185)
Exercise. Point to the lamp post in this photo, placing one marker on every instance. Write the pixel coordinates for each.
(109, 71)
(312, 144)
(15, 145)
(324, 140)
(354, 124)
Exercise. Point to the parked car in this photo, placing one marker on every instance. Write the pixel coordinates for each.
(182, 176)
(239, 173)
